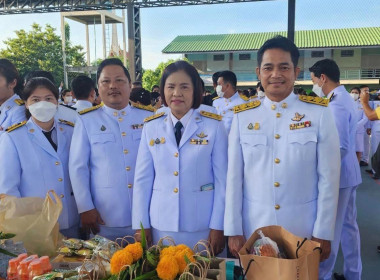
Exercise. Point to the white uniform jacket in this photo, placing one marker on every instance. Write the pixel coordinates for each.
(12, 112)
(181, 188)
(284, 166)
(102, 161)
(30, 167)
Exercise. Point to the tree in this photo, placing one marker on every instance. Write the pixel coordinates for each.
(41, 49)
(153, 77)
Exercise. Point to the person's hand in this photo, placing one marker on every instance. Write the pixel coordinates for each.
(148, 236)
(91, 220)
(369, 131)
(217, 241)
(235, 243)
(325, 246)
(364, 97)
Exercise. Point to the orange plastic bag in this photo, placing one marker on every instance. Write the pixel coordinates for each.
(34, 220)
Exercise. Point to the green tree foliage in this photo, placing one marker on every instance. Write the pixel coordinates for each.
(152, 77)
(41, 49)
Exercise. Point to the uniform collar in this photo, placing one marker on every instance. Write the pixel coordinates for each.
(336, 90)
(233, 97)
(117, 113)
(184, 120)
(285, 104)
(83, 102)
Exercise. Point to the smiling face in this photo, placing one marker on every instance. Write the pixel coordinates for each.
(277, 74)
(179, 93)
(114, 87)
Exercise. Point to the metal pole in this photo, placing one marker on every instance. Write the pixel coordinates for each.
(124, 42)
(88, 46)
(63, 36)
(291, 19)
(103, 20)
(131, 42)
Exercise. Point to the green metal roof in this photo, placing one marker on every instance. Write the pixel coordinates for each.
(328, 38)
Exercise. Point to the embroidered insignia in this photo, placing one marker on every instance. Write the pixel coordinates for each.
(246, 106)
(66, 122)
(15, 126)
(103, 128)
(199, 141)
(245, 98)
(19, 102)
(250, 126)
(153, 117)
(314, 100)
(85, 111)
(298, 117)
(305, 124)
(211, 115)
(202, 135)
(151, 142)
(163, 141)
(257, 126)
(149, 108)
(137, 126)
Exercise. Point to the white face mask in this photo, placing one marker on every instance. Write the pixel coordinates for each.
(219, 91)
(318, 90)
(43, 111)
(354, 96)
(68, 99)
(260, 93)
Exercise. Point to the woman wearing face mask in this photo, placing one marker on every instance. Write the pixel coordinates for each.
(35, 153)
(179, 187)
(67, 98)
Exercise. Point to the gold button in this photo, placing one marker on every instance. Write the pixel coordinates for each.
(129, 185)
(277, 207)
(276, 184)
(123, 113)
(276, 160)
(175, 173)
(273, 107)
(61, 128)
(175, 190)
(31, 130)
(128, 168)
(277, 136)
(120, 119)
(61, 196)
(278, 115)
(57, 163)
(123, 134)
(284, 105)
(125, 151)
(60, 179)
(115, 114)
(176, 154)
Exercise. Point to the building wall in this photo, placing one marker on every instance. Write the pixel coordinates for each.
(348, 62)
(370, 58)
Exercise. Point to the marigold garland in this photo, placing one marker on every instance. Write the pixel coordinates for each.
(119, 260)
(135, 250)
(181, 260)
(167, 268)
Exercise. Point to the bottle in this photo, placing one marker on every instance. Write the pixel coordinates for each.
(23, 271)
(12, 269)
(35, 269)
(46, 265)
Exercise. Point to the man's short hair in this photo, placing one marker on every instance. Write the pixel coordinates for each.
(215, 77)
(363, 86)
(82, 86)
(327, 67)
(112, 61)
(279, 42)
(228, 77)
(137, 84)
(155, 86)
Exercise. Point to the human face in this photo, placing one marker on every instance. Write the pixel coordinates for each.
(318, 84)
(364, 90)
(179, 93)
(6, 89)
(114, 87)
(277, 74)
(40, 94)
(354, 91)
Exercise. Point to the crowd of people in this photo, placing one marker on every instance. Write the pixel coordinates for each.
(191, 164)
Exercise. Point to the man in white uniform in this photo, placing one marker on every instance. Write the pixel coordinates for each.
(83, 88)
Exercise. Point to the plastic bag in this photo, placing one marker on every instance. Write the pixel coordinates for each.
(265, 247)
(34, 220)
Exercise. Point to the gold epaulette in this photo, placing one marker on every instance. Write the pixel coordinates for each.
(19, 102)
(215, 98)
(246, 106)
(85, 111)
(15, 126)
(148, 119)
(66, 122)
(144, 107)
(211, 115)
(315, 100)
(245, 98)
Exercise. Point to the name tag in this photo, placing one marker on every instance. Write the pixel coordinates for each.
(137, 126)
(208, 187)
(300, 125)
(199, 141)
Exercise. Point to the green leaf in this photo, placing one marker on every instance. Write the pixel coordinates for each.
(7, 235)
(5, 252)
(148, 275)
(187, 259)
(151, 257)
(143, 237)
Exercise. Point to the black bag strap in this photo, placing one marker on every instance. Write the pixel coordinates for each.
(248, 267)
(299, 245)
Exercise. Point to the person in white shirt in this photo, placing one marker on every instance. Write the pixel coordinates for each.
(83, 88)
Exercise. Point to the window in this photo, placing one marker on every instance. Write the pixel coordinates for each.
(317, 54)
(347, 53)
(244, 56)
(218, 57)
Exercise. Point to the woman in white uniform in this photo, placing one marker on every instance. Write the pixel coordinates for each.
(34, 154)
(179, 187)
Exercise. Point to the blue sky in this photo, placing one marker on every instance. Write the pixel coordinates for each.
(159, 26)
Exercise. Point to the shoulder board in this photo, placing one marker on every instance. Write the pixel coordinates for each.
(215, 98)
(144, 107)
(67, 106)
(247, 106)
(85, 111)
(245, 98)
(211, 115)
(314, 100)
(66, 122)
(19, 102)
(159, 115)
(15, 126)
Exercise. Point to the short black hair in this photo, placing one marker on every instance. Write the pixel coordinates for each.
(355, 88)
(112, 61)
(140, 95)
(363, 86)
(279, 42)
(190, 70)
(137, 83)
(10, 73)
(327, 67)
(82, 87)
(39, 73)
(228, 77)
(215, 77)
(155, 86)
(259, 86)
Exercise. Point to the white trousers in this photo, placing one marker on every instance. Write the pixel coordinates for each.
(366, 144)
(346, 234)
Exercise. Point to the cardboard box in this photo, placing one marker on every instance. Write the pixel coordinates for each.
(62, 262)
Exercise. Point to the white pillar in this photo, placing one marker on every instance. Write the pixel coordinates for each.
(103, 20)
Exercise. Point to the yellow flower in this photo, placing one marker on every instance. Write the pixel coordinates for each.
(180, 247)
(135, 250)
(167, 268)
(120, 259)
(180, 257)
(168, 251)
